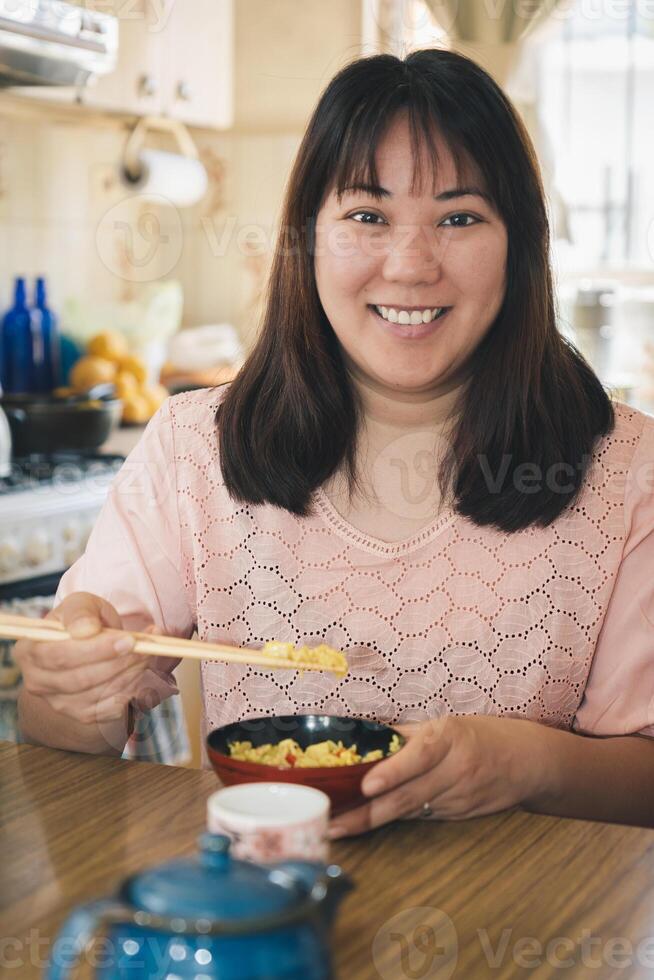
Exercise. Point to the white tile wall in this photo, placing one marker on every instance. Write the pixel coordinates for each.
(64, 214)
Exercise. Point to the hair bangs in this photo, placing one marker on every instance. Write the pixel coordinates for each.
(429, 135)
(356, 163)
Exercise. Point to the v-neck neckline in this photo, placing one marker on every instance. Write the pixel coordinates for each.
(377, 545)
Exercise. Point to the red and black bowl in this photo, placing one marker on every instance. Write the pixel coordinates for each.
(341, 783)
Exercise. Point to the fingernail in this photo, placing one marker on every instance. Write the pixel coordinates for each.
(336, 831)
(124, 644)
(372, 787)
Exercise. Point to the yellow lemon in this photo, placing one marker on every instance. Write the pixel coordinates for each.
(126, 384)
(109, 344)
(134, 365)
(155, 395)
(89, 371)
(136, 409)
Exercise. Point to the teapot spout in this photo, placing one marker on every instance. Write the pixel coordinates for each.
(330, 890)
(326, 886)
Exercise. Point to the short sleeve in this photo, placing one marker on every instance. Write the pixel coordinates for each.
(133, 556)
(619, 695)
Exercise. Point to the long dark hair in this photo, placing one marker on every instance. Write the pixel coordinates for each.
(291, 417)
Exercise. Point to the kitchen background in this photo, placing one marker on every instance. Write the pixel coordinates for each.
(190, 247)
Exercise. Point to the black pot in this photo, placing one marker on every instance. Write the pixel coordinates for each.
(44, 424)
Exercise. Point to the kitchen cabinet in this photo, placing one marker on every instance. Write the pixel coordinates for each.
(175, 58)
(135, 86)
(197, 78)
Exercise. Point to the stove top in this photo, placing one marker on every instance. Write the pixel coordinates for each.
(48, 506)
(53, 470)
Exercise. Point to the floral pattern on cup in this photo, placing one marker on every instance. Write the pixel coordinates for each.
(269, 822)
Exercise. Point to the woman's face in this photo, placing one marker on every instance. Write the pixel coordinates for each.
(398, 256)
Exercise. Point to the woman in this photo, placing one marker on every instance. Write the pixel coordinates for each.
(413, 466)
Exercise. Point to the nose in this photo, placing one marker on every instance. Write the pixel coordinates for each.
(413, 256)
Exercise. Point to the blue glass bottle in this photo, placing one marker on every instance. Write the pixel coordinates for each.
(46, 344)
(18, 326)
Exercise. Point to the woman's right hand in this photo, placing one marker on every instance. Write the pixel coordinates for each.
(90, 678)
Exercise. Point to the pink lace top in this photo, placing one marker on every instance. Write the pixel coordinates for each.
(552, 624)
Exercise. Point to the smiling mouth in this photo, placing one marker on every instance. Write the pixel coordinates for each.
(410, 317)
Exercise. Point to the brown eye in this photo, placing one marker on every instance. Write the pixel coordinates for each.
(462, 215)
(363, 217)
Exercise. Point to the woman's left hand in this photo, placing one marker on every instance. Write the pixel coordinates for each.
(460, 765)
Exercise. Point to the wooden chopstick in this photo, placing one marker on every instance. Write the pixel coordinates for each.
(51, 630)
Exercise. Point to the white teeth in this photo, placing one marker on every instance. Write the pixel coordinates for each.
(414, 317)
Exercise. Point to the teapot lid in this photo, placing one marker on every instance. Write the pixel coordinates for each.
(214, 886)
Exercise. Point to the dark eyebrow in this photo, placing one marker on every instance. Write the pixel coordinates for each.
(462, 192)
(372, 189)
(379, 192)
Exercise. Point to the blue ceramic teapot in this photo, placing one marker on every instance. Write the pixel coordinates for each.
(210, 918)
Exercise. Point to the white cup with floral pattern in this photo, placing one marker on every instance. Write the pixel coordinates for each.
(272, 821)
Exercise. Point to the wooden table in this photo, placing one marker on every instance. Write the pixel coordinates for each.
(511, 895)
